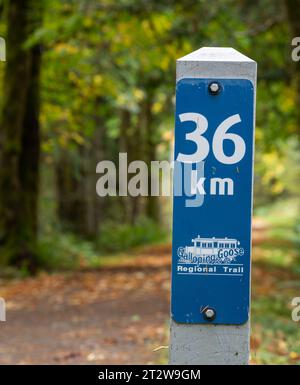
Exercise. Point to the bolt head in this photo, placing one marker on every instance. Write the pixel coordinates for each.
(214, 88)
(209, 314)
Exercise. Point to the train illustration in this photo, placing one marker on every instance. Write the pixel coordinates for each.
(210, 251)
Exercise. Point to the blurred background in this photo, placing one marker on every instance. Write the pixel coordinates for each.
(86, 279)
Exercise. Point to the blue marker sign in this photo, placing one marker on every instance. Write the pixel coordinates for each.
(212, 201)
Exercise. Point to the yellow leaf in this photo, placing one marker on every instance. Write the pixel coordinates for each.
(97, 80)
(294, 355)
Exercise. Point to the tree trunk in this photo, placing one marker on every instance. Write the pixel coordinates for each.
(30, 157)
(129, 143)
(20, 141)
(152, 203)
(69, 197)
(80, 210)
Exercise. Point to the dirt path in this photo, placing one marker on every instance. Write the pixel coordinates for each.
(112, 316)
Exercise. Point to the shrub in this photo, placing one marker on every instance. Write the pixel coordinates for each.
(115, 237)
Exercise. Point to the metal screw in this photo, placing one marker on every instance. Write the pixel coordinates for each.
(209, 314)
(214, 88)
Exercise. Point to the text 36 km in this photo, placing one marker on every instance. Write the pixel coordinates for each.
(219, 137)
(203, 148)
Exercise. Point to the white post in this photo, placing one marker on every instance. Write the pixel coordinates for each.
(2, 301)
(212, 343)
(2, 49)
(2, 310)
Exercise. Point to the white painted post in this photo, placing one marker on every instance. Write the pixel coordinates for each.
(2, 310)
(2, 49)
(2, 301)
(207, 343)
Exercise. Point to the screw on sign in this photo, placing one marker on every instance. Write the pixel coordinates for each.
(209, 314)
(211, 248)
(214, 88)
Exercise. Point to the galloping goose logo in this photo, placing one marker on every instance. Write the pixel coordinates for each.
(210, 251)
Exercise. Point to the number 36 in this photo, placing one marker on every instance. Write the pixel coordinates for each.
(220, 135)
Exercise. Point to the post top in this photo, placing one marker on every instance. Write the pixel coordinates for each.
(216, 54)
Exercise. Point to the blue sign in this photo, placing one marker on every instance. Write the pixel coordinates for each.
(212, 207)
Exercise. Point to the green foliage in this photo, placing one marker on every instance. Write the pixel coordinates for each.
(283, 219)
(276, 337)
(101, 58)
(279, 337)
(123, 52)
(115, 237)
(64, 251)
